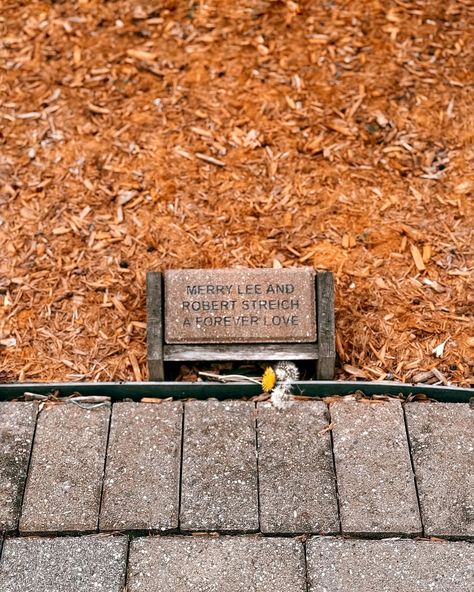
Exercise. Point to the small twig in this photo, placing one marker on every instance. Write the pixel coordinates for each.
(98, 109)
(81, 401)
(440, 376)
(35, 396)
(262, 397)
(86, 399)
(87, 402)
(88, 405)
(150, 68)
(210, 159)
(229, 377)
(328, 428)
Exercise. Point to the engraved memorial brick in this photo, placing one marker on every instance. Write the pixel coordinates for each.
(230, 315)
(240, 306)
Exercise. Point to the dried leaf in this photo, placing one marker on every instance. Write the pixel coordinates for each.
(438, 351)
(326, 429)
(353, 371)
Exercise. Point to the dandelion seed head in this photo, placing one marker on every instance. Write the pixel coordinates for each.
(281, 396)
(286, 371)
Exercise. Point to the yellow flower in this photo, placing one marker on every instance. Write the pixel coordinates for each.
(268, 379)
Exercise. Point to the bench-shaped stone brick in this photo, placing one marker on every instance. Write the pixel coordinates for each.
(219, 472)
(296, 473)
(442, 442)
(216, 564)
(17, 426)
(64, 484)
(403, 565)
(64, 564)
(141, 486)
(376, 485)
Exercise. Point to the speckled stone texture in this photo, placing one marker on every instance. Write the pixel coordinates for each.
(375, 479)
(141, 486)
(219, 472)
(64, 484)
(79, 564)
(296, 472)
(240, 305)
(442, 443)
(224, 564)
(337, 565)
(17, 426)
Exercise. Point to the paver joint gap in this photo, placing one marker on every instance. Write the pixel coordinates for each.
(27, 469)
(180, 484)
(413, 469)
(258, 472)
(305, 559)
(328, 407)
(127, 555)
(104, 467)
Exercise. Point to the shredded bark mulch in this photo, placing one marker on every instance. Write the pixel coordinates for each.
(156, 135)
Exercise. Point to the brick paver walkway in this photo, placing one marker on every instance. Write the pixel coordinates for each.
(332, 484)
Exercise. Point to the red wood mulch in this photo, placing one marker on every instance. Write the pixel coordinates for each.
(152, 135)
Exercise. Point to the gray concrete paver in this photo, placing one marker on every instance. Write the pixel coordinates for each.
(64, 564)
(376, 485)
(216, 564)
(442, 442)
(296, 473)
(64, 484)
(17, 426)
(219, 467)
(141, 485)
(403, 565)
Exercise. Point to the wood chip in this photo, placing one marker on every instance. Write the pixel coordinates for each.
(140, 54)
(422, 376)
(312, 153)
(417, 258)
(210, 159)
(97, 109)
(426, 253)
(136, 367)
(353, 371)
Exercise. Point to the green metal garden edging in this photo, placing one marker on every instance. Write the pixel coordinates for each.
(205, 390)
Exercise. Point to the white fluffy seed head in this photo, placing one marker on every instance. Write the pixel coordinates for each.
(281, 396)
(286, 371)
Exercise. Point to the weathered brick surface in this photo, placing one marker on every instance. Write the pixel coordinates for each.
(64, 485)
(219, 473)
(296, 472)
(64, 564)
(342, 565)
(442, 443)
(220, 484)
(17, 425)
(377, 492)
(223, 564)
(141, 486)
(239, 305)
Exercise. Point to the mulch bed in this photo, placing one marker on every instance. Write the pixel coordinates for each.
(156, 135)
